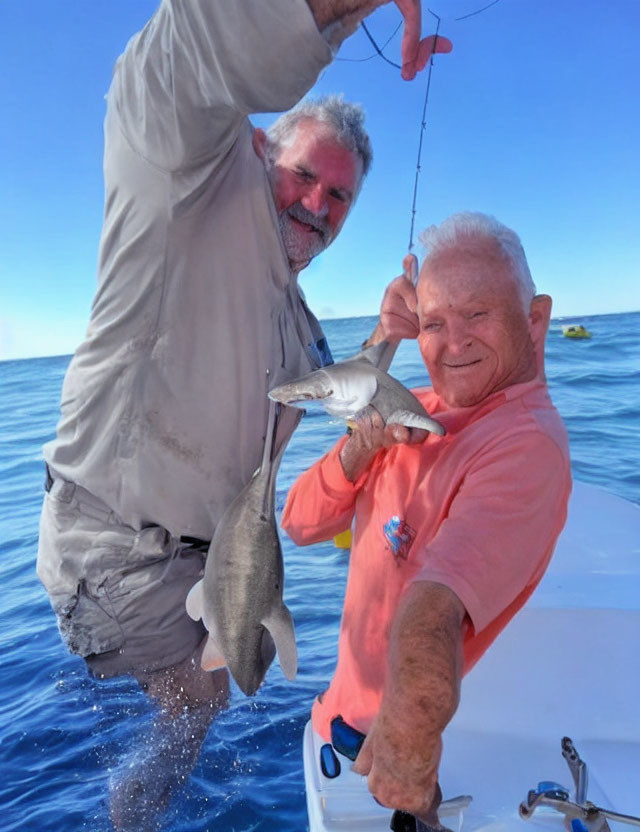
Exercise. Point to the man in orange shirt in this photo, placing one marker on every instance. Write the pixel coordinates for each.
(453, 533)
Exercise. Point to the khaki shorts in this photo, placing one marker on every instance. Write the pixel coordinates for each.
(118, 594)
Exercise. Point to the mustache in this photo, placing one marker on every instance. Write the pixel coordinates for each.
(319, 224)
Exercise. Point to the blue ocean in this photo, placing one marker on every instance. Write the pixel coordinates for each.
(63, 735)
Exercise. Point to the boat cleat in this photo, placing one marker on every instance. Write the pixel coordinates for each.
(580, 814)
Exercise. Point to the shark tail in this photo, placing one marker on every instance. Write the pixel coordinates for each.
(415, 420)
(280, 624)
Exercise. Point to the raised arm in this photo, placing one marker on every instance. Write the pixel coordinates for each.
(186, 82)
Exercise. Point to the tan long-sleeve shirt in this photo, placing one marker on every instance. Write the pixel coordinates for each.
(196, 313)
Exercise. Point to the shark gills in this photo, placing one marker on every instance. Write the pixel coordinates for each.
(348, 388)
(240, 595)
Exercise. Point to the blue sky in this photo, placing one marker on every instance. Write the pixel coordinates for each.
(534, 117)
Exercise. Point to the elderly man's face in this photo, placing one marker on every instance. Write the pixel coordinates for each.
(475, 337)
(314, 180)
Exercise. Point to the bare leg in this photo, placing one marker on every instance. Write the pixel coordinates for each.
(189, 699)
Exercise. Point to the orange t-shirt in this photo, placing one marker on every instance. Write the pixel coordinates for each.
(478, 510)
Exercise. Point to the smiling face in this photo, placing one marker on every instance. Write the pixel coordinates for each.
(314, 180)
(475, 337)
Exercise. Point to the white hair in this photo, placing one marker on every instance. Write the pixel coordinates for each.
(345, 119)
(460, 230)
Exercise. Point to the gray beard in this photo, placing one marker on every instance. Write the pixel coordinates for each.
(302, 246)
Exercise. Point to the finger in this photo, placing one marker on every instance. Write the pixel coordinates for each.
(432, 45)
(364, 760)
(410, 10)
(410, 268)
(400, 435)
(400, 291)
(376, 420)
(417, 436)
(397, 327)
(428, 815)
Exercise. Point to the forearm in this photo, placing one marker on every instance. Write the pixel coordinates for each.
(402, 751)
(425, 659)
(320, 504)
(186, 83)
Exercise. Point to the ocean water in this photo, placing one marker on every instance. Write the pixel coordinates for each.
(63, 735)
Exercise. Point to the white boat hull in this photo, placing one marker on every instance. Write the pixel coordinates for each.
(567, 665)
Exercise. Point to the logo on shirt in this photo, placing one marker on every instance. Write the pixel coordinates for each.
(399, 536)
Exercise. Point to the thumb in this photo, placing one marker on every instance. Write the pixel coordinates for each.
(410, 268)
(364, 760)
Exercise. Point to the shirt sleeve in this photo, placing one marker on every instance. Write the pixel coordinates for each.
(185, 83)
(321, 502)
(500, 530)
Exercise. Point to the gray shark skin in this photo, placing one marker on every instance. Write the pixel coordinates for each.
(348, 388)
(240, 595)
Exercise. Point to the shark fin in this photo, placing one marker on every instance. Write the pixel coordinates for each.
(415, 420)
(194, 602)
(280, 625)
(380, 354)
(212, 657)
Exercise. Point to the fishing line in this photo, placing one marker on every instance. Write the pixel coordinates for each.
(377, 48)
(422, 129)
(423, 122)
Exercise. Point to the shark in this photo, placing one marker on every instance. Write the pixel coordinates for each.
(348, 388)
(239, 598)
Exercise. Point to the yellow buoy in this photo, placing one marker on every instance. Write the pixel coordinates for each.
(575, 331)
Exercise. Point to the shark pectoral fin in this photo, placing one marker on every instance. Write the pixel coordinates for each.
(415, 420)
(212, 657)
(194, 602)
(280, 625)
